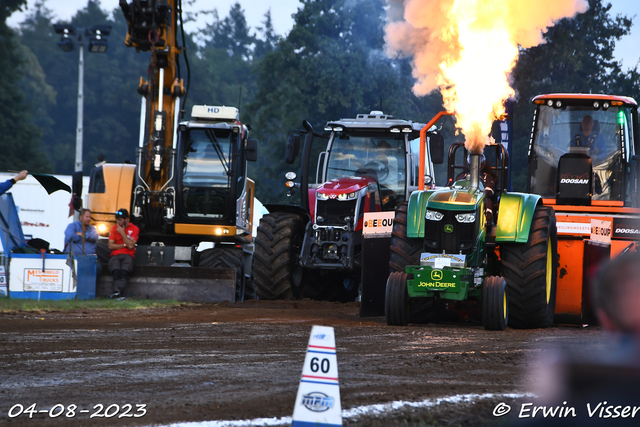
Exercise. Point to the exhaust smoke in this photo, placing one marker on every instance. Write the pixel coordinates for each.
(467, 48)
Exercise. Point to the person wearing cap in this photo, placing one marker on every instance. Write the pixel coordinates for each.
(122, 243)
(5, 186)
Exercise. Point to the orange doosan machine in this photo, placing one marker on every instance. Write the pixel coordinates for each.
(583, 161)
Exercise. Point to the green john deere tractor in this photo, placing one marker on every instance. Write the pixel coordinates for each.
(444, 249)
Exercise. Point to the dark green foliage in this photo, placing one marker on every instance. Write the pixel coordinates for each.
(20, 139)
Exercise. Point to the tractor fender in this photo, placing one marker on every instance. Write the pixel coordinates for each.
(416, 212)
(515, 215)
(271, 207)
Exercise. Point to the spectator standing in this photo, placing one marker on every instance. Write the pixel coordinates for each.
(122, 243)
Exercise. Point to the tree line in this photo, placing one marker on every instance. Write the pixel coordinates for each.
(330, 65)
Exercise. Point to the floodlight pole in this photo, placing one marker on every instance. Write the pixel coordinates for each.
(95, 36)
(80, 106)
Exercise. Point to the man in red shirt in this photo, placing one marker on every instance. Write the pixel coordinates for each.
(122, 242)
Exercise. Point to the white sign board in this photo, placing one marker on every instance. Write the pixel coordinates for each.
(318, 400)
(601, 231)
(36, 279)
(3, 282)
(573, 228)
(377, 224)
(442, 260)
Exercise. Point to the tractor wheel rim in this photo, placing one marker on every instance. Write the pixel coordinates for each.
(549, 270)
(504, 303)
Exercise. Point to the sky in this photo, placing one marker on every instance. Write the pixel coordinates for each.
(254, 10)
(627, 50)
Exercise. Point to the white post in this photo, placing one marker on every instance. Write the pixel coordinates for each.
(80, 108)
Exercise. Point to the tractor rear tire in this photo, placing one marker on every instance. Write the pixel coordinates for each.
(277, 272)
(221, 257)
(406, 251)
(495, 309)
(531, 272)
(396, 301)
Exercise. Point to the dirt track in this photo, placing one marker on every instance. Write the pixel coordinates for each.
(219, 362)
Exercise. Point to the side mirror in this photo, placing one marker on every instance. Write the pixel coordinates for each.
(293, 146)
(76, 190)
(251, 150)
(436, 148)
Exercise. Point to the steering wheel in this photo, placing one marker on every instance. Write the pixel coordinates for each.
(579, 141)
(380, 167)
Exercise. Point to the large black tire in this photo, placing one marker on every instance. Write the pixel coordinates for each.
(406, 251)
(225, 257)
(396, 300)
(495, 309)
(531, 272)
(277, 272)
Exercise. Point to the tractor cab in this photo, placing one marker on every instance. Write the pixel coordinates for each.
(373, 146)
(583, 150)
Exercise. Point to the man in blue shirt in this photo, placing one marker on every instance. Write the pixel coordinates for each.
(5, 186)
(83, 236)
(595, 140)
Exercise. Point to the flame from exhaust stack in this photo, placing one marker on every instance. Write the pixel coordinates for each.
(467, 48)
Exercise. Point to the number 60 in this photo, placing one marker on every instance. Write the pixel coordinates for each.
(323, 366)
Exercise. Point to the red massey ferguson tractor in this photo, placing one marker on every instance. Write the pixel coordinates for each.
(315, 249)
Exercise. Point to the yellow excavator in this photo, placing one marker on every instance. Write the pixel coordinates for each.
(188, 191)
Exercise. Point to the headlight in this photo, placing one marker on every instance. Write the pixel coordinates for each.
(434, 216)
(347, 196)
(466, 217)
(322, 196)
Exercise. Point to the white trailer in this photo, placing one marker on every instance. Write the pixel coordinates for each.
(43, 215)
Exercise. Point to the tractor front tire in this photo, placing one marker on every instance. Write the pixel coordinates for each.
(406, 251)
(495, 309)
(396, 301)
(222, 257)
(531, 272)
(277, 273)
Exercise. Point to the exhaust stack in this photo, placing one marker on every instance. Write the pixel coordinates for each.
(474, 170)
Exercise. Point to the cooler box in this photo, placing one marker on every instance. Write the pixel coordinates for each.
(28, 279)
(34, 277)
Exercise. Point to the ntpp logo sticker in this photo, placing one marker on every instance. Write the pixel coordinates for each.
(448, 228)
(436, 275)
(317, 401)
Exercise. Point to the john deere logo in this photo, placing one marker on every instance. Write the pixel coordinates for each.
(436, 275)
(448, 228)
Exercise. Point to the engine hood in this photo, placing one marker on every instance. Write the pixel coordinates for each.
(455, 198)
(344, 185)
